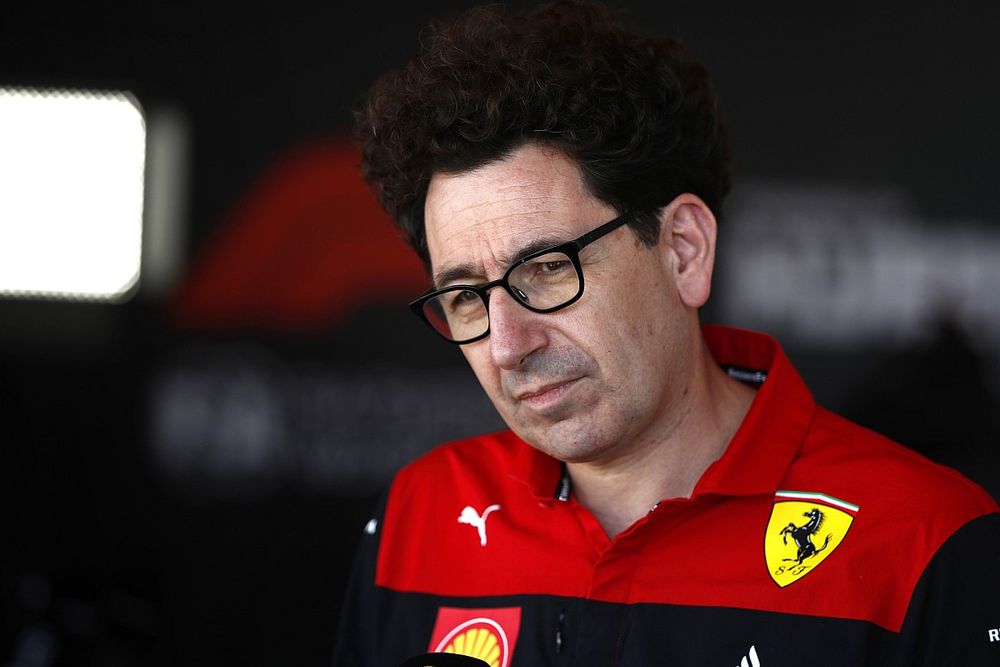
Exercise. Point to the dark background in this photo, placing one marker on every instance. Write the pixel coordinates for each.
(110, 557)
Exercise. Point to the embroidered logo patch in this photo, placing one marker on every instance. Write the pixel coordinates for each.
(804, 529)
(487, 634)
(471, 517)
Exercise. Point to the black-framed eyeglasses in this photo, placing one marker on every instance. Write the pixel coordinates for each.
(543, 282)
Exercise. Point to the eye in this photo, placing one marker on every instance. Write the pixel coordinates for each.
(462, 299)
(553, 265)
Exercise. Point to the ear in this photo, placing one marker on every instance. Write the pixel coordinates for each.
(687, 234)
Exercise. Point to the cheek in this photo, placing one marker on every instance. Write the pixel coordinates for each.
(627, 316)
(640, 331)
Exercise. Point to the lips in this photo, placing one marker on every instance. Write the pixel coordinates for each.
(545, 395)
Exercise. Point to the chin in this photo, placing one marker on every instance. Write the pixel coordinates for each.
(568, 445)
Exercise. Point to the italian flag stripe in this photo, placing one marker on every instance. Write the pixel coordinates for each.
(822, 497)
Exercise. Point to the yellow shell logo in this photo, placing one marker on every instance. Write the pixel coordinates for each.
(479, 638)
(804, 529)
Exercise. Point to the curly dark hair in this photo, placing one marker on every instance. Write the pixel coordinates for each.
(638, 115)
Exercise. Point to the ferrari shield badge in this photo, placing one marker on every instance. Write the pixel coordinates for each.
(804, 529)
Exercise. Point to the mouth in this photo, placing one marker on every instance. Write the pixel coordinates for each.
(546, 395)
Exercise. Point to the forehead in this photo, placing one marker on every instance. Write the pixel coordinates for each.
(478, 222)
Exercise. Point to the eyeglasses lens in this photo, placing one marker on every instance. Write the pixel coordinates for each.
(545, 282)
(457, 314)
(542, 283)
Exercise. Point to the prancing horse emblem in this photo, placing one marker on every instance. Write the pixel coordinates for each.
(802, 535)
(825, 516)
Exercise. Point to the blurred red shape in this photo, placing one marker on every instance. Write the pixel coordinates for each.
(304, 249)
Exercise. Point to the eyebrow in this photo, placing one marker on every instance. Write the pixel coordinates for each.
(467, 272)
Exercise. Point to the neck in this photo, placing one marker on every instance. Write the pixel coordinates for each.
(624, 487)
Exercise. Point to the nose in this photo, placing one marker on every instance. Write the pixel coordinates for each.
(515, 331)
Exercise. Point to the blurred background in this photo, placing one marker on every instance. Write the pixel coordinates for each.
(188, 452)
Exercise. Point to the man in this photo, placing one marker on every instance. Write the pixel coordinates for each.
(668, 494)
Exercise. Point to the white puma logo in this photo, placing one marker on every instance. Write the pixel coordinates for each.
(471, 517)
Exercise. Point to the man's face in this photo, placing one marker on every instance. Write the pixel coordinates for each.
(599, 378)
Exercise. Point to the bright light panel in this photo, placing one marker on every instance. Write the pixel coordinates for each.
(71, 189)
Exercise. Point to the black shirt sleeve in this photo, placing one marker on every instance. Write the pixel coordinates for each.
(954, 614)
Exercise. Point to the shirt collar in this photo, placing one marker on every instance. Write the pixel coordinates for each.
(758, 456)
